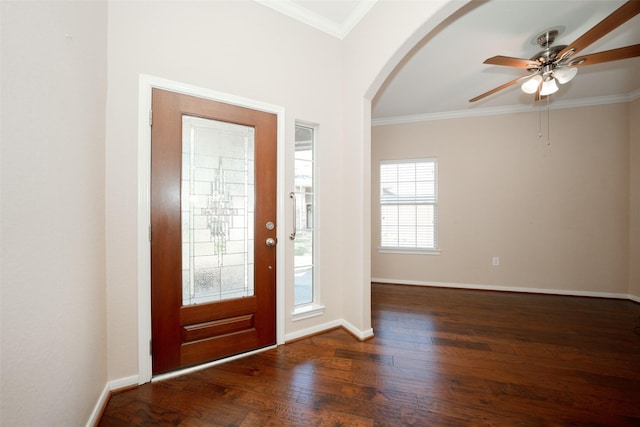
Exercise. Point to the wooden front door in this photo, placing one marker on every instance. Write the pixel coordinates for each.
(213, 213)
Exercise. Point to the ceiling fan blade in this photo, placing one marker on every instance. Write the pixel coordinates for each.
(508, 61)
(499, 88)
(606, 56)
(608, 24)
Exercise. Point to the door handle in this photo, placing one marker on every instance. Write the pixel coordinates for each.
(292, 196)
(270, 242)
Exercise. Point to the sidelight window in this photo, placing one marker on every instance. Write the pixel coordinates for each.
(304, 222)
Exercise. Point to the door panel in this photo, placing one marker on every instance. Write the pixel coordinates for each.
(213, 190)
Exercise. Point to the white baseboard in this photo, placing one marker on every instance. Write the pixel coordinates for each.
(313, 330)
(123, 382)
(508, 289)
(361, 335)
(97, 409)
(104, 396)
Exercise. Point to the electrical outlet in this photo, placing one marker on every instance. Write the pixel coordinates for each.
(496, 261)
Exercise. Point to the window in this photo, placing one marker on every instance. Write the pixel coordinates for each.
(304, 202)
(306, 294)
(408, 205)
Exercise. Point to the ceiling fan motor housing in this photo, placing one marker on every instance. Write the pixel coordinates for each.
(547, 56)
(547, 38)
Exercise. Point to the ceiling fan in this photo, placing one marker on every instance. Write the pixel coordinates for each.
(557, 64)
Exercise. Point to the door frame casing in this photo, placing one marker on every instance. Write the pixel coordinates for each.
(146, 84)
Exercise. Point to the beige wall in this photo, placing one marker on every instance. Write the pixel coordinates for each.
(634, 201)
(54, 355)
(556, 214)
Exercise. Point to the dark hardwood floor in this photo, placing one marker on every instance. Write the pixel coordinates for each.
(440, 357)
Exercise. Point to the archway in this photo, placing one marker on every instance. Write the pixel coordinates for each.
(366, 71)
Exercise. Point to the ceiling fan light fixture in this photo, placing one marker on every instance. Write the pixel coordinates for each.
(531, 85)
(549, 87)
(565, 74)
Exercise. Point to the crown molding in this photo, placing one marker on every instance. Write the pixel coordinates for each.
(509, 109)
(317, 21)
(356, 16)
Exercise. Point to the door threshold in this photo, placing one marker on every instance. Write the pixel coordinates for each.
(180, 372)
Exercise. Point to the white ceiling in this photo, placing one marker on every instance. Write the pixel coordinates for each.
(445, 71)
(335, 17)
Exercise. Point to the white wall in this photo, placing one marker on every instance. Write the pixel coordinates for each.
(557, 213)
(248, 50)
(54, 363)
(63, 203)
(57, 204)
(239, 48)
(371, 52)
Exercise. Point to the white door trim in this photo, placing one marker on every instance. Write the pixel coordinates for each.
(146, 83)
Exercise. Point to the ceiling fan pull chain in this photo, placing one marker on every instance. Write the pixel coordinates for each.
(540, 122)
(548, 123)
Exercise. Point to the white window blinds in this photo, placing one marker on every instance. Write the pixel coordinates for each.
(408, 204)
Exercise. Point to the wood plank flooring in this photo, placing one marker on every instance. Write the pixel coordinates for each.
(440, 357)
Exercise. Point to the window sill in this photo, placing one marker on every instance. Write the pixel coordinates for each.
(307, 311)
(409, 251)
